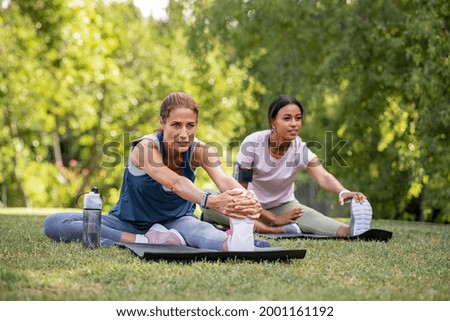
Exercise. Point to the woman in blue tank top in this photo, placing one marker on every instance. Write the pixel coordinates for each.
(158, 195)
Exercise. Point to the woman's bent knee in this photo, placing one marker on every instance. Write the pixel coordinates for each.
(49, 226)
(63, 226)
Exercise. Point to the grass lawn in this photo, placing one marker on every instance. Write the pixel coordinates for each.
(413, 265)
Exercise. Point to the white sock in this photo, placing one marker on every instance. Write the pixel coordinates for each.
(140, 238)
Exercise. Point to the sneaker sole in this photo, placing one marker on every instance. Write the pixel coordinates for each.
(183, 242)
(166, 237)
(160, 228)
(361, 217)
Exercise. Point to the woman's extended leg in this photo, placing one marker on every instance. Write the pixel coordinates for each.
(313, 221)
(197, 233)
(214, 217)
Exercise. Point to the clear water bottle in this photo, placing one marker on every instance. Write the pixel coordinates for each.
(92, 218)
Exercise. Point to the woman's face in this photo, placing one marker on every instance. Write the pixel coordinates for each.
(179, 129)
(286, 125)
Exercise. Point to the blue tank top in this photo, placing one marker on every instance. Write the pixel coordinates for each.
(143, 201)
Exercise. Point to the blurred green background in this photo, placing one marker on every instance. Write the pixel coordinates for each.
(80, 79)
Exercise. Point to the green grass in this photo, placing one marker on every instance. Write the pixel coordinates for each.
(414, 265)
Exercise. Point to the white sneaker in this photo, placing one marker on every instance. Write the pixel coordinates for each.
(361, 217)
(158, 234)
(241, 237)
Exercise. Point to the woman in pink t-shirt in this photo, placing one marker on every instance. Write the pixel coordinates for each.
(267, 163)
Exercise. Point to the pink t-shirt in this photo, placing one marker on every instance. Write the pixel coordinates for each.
(273, 179)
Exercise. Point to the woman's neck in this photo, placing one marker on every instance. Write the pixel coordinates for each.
(277, 147)
(172, 159)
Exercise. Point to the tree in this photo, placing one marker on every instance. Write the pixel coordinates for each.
(104, 72)
(374, 73)
(393, 71)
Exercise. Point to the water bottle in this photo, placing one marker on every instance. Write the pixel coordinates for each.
(92, 218)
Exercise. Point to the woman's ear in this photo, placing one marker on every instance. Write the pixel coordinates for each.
(271, 124)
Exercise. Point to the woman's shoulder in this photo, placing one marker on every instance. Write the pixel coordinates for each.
(152, 137)
(198, 143)
(258, 136)
(199, 147)
(201, 152)
(298, 143)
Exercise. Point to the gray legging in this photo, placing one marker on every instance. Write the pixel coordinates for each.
(311, 221)
(68, 227)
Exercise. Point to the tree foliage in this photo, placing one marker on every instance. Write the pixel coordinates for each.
(374, 73)
(80, 79)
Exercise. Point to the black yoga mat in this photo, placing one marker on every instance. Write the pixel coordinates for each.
(370, 235)
(186, 253)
